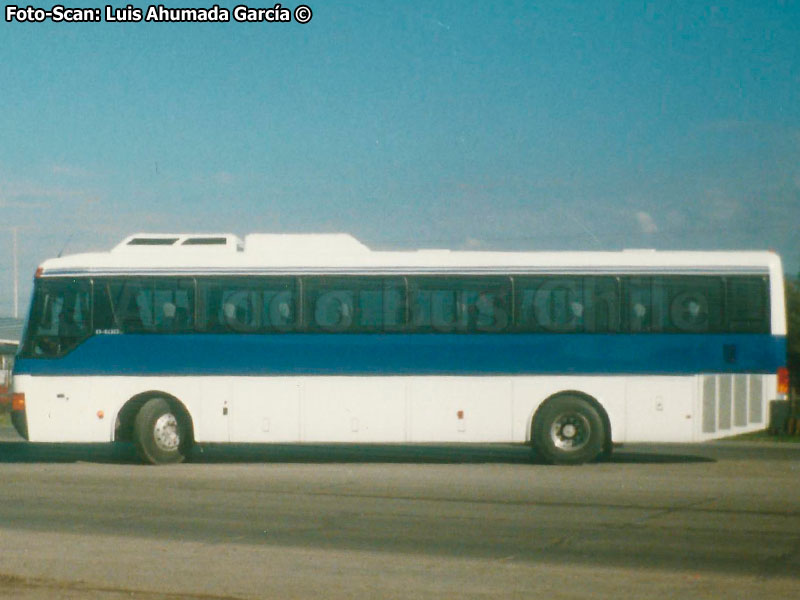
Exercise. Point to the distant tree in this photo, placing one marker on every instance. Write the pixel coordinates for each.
(793, 322)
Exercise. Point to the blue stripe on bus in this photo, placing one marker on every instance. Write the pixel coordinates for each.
(416, 354)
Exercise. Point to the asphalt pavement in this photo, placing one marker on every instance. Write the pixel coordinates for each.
(342, 521)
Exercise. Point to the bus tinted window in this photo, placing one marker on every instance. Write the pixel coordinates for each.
(557, 304)
(247, 305)
(603, 306)
(60, 317)
(61, 310)
(550, 304)
(690, 304)
(354, 304)
(638, 306)
(157, 305)
(459, 304)
(747, 304)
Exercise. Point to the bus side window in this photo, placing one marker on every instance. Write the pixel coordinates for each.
(602, 301)
(172, 302)
(693, 303)
(354, 304)
(209, 306)
(550, 304)
(747, 306)
(103, 317)
(638, 307)
(126, 305)
(487, 306)
(246, 305)
(241, 309)
(433, 304)
(393, 305)
(450, 304)
(280, 308)
(333, 310)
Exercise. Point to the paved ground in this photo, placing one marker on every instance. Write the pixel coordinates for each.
(704, 521)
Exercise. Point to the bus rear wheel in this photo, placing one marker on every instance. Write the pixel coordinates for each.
(159, 434)
(568, 430)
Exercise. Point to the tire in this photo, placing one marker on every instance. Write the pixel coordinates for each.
(568, 430)
(160, 435)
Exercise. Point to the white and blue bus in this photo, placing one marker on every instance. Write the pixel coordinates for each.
(168, 340)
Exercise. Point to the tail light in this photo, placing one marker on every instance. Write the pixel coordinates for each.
(18, 402)
(783, 380)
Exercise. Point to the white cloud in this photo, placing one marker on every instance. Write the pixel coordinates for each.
(70, 171)
(472, 243)
(32, 194)
(646, 222)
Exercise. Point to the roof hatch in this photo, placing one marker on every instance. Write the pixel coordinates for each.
(179, 242)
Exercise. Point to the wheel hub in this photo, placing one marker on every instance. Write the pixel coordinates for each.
(570, 431)
(166, 433)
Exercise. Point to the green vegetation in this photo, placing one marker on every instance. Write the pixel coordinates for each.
(763, 436)
(793, 337)
(793, 363)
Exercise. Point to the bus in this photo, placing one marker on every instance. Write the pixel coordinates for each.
(170, 340)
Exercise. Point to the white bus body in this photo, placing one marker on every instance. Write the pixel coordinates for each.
(315, 338)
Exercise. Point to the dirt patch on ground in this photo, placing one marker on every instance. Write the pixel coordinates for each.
(12, 586)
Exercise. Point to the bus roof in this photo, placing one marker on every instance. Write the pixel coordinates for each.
(283, 253)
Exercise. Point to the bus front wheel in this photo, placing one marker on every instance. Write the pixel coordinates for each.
(568, 430)
(159, 434)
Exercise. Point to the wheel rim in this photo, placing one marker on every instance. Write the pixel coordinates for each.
(570, 431)
(166, 433)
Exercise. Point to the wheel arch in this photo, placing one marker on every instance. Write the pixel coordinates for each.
(123, 427)
(594, 402)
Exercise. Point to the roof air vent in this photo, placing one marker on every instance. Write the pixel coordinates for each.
(204, 241)
(152, 241)
(180, 242)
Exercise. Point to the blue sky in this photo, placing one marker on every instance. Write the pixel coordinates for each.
(508, 125)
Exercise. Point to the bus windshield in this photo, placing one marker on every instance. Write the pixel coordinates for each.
(60, 318)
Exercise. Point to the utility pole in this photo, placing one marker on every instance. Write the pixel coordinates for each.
(16, 278)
